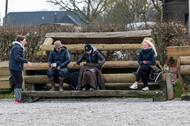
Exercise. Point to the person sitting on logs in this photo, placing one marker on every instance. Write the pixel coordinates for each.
(147, 59)
(58, 62)
(90, 75)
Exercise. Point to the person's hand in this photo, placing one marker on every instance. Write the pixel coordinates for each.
(145, 62)
(58, 68)
(51, 66)
(29, 64)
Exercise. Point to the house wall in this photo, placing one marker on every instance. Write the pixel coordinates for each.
(176, 10)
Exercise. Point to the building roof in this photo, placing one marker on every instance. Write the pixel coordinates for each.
(42, 17)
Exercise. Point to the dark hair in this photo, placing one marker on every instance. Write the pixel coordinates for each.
(20, 38)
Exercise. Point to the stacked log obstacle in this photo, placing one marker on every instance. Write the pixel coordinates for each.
(118, 75)
(5, 76)
(183, 67)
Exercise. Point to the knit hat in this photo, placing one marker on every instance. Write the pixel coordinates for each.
(87, 47)
(57, 44)
(151, 45)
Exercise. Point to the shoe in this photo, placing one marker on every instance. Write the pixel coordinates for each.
(84, 89)
(52, 89)
(17, 102)
(145, 89)
(91, 89)
(134, 86)
(60, 88)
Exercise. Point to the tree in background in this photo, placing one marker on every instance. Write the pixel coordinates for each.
(89, 9)
(125, 12)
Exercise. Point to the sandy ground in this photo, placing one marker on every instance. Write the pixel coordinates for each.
(93, 112)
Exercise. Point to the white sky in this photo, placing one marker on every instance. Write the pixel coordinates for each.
(25, 5)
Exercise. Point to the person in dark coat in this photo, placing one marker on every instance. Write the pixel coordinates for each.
(16, 61)
(147, 58)
(91, 56)
(58, 62)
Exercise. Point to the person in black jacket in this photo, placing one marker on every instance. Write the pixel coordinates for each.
(147, 58)
(91, 56)
(16, 61)
(58, 62)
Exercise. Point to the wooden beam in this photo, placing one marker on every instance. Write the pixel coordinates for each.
(177, 51)
(125, 34)
(4, 83)
(108, 78)
(88, 94)
(184, 60)
(4, 68)
(100, 37)
(48, 41)
(72, 65)
(185, 70)
(100, 47)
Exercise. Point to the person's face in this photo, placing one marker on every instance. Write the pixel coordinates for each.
(59, 48)
(88, 52)
(145, 46)
(23, 42)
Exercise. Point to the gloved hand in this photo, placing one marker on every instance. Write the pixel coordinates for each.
(99, 66)
(78, 63)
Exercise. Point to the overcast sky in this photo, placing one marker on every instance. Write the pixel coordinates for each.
(25, 5)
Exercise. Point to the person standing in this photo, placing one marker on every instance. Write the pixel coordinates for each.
(147, 58)
(16, 61)
(58, 62)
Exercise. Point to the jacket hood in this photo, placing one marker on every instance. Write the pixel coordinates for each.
(94, 48)
(16, 42)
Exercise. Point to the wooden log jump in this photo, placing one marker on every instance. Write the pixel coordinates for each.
(72, 65)
(157, 95)
(183, 66)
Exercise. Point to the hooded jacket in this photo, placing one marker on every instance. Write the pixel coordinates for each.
(147, 55)
(93, 57)
(62, 58)
(16, 57)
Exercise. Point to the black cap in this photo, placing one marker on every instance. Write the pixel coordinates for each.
(87, 47)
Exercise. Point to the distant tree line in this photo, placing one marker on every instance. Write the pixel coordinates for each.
(112, 11)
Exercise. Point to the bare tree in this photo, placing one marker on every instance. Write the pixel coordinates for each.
(157, 4)
(130, 11)
(89, 9)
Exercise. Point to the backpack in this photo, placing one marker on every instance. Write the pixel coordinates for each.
(155, 74)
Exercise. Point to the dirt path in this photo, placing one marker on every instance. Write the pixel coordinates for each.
(104, 112)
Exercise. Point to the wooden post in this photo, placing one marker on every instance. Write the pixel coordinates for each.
(169, 85)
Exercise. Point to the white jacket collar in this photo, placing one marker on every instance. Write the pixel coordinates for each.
(16, 42)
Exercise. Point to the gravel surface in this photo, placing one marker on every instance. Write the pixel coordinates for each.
(95, 112)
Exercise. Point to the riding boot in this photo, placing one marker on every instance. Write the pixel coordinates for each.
(51, 80)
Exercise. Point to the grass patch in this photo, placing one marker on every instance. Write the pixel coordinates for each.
(7, 95)
(177, 90)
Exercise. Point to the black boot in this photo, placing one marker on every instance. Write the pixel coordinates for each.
(61, 84)
(51, 80)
